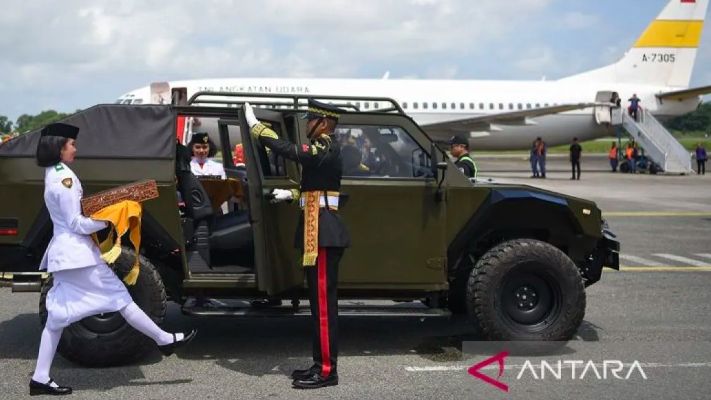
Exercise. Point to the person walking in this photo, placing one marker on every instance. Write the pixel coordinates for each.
(321, 233)
(541, 151)
(701, 158)
(534, 158)
(575, 152)
(83, 284)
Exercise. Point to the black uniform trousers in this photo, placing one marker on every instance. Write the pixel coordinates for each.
(575, 164)
(323, 297)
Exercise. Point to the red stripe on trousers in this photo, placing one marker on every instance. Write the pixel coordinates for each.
(323, 313)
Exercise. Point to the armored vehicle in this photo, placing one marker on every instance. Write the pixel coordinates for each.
(426, 241)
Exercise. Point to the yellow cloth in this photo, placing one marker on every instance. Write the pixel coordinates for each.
(123, 217)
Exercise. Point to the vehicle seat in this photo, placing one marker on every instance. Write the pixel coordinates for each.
(232, 231)
(351, 161)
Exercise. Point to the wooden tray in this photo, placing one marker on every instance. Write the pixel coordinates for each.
(137, 191)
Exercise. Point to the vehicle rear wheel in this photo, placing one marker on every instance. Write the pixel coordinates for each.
(624, 167)
(525, 289)
(106, 339)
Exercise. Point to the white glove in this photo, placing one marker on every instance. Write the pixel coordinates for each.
(282, 195)
(249, 115)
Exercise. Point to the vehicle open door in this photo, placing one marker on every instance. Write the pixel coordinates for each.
(277, 261)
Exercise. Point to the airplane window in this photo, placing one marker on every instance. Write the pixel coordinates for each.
(461, 106)
(444, 106)
(471, 106)
(481, 106)
(138, 101)
(404, 105)
(528, 105)
(501, 106)
(511, 106)
(372, 151)
(424, 106)
(546, 104)
(520, 106)
(491, 106)
(538, 105)
(415, 105)
(434, 106)
(127, 101)
(366, 105)
(454, 106)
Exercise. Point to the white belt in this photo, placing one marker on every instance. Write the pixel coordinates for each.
(332, 201)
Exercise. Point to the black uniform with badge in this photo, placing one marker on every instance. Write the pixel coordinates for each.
(321, 163)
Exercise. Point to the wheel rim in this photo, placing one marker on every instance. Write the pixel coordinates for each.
(530, 298)
(111, 321)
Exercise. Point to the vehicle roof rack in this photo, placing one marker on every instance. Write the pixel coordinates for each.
(294, 102)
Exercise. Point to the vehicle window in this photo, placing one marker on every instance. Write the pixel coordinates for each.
(381, 152)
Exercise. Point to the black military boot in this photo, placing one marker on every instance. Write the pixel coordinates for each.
(316, 381)
(299, 374)
(37, 388)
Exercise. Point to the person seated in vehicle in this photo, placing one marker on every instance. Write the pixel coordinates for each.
(203, 149)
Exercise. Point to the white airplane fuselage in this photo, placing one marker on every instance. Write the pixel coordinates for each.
(486, 97)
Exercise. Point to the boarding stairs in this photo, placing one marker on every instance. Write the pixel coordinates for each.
(658, 143)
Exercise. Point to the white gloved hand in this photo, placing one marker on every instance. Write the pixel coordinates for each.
(249, 115)
(282, 195)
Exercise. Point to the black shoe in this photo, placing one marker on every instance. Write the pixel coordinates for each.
(169, 349)
(315, 381)
(37, 388)
(266, 302)
(300, 374)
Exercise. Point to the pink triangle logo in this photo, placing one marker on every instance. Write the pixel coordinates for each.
(474, 371)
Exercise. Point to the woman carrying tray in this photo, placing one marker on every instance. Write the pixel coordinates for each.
(83, 283)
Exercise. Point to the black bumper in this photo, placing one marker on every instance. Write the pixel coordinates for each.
(606, 254)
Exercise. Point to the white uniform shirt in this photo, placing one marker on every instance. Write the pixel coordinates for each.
(71, 246)
(209, 168)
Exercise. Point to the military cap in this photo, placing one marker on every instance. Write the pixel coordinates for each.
(458, 139)
(318, 109)
(61, 130)
(199, 137)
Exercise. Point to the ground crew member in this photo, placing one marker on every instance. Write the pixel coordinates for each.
(575, 152)
(83, 283)
(321, 233)
(459, 147)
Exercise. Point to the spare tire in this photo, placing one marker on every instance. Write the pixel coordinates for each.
(106, 339)
(525, 289)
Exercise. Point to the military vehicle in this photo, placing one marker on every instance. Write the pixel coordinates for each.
(426, 241)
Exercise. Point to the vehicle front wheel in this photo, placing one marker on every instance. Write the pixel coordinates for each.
(107, 339)
(525, 289)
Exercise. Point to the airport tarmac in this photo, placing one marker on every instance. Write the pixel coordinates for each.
(657, 311)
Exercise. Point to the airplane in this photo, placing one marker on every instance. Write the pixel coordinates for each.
(498, 115)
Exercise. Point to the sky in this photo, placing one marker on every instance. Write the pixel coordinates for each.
(71, 54)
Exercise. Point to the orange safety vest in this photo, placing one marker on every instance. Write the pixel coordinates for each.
(629, 153)
(613, 153)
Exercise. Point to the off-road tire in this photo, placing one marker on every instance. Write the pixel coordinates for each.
(107, 340)
(525, 289)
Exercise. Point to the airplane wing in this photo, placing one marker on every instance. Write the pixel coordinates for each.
(685, 94)
(521, 117)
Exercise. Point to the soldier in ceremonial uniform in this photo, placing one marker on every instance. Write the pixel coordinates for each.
(321, 233)
(459, 147)
(203, 149)
(83, 283)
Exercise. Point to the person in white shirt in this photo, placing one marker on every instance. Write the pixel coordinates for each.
(83, 285)
(203, 149)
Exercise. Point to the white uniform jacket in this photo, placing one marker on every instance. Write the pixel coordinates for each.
(71, 246)
(209, 168)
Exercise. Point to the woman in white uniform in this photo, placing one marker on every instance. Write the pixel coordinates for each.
(83, 283)
(203, 150)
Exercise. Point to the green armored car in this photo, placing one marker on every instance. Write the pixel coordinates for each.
(426, 241)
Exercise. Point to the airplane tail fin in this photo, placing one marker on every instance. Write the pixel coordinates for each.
(665, 52)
